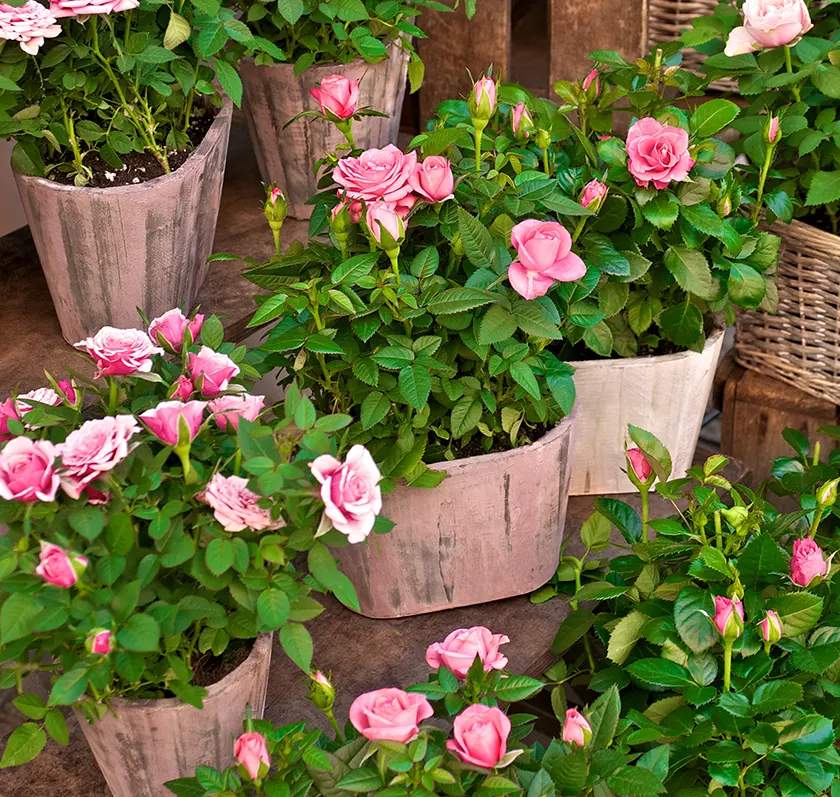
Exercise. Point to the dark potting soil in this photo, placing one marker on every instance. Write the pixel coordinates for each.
(819, 218)
(210, 669)
(138, 167)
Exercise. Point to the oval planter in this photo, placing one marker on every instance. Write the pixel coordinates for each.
(150, 742)
(446, 549)
(107, 251)
(273, 95)
(665, 395)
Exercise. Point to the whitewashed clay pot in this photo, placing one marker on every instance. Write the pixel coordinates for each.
(107, 251)
(274, 95)
(492, 529)
(150, 742)
(665, 395)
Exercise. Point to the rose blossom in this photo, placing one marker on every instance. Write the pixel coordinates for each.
(211, 370)
(27, 470)
(389, 715)
(8, 412)
(376, 174)
(350, 491)
(100, 642)
(807, 563)
(460, 648)
(337, 96)
(67, 390)
(485, 88)
(729, 617)
(576, 729)
(481, 734)
(57, 567)
(382, 215)
(769, 23)
(164, 421)
(81, 8)
(120, 352)
(638, 461)
(183, 389)
(94, 449)
(251, 752)
(28, 25)
(587, 82)
(171, 327)
(433, 179)
(593, 191)
(229, 409)
(544, 249)
(521, 121)
(235, 506)
(657, 153)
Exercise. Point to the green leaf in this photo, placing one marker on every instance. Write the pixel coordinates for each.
(660, 672)
(477, 241)
(599, 591)
(456, 300)
(534, 318)
(366, 370)
(713, 116)
(177, 31)
(297, 643)
(807, 734)
(662, 211)
(572, 629)
(360, 780)
(374, 408)
(290, 10)
(273, 608)
(69, 687)
(634, 782)
(322, 344)
(156, 55)
(355, 267)
(89, 522)
(624, 636)
(798, 611)
(761, 559)
(690, 270)
(212, 332)
(465, 415)
(140, 633)
(622, 516)
(682, 323)
(518, 687)
(694, 627)
(219, 556)
(415, 385)
(497, 325)
(703, 218)
(57, 727)
(599, 338)
(31, 705)
(775, 695)
(746, 286)
(827, 80)
(656, 453)
(17, 616)
(25, 742)
(603, 717)
(596, 531)
(425, 262)
(524, 376)
(824, 189)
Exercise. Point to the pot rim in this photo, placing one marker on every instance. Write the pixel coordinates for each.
(223, 118)
(262, 647)
(333, 66)
(652, 359)
(565, 427)
(799, 227)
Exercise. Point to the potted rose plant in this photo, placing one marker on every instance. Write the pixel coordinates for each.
(335, 60)
(121, 143)
(149, 553)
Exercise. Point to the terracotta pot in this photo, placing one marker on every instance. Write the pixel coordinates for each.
(665, 395)
(150, 742)
(491, 530)
(107, 251)
(273, 96)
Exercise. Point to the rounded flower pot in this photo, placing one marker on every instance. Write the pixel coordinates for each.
(273, 95)
(492, 529)
(144, 743)
(107, 251)
(665, 395)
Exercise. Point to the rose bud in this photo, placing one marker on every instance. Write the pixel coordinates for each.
(174, 423)
(432, 179)
(521, 122)
(827, 493)
(807, 563)
(770, 628)
(639, 464)
(736, 515)
(59, 568)
(591, 78)
(99, 641)
(170, 330)
(593, 196)
(729, 617)
(771, 129)
(337, 97)
(390, 715)
(251, 752)
(385, 225)
(182, 389)
(321, 691)
(481, 734)
(67, 390)
(576, 730)
(482, 101)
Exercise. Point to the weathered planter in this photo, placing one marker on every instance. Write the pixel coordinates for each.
(665, 395)
(107, 251)
(491, 530)
(273, 96)
(150, 742)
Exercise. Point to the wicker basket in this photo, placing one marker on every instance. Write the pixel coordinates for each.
(801, 343)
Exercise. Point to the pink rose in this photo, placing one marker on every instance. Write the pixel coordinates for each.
(544, 249)
(235, 506)
(587, 82)
(183, 389)
(27, 470)
(81, 8)
(638, 461)
(229, 409)
(460, 648)
(729, 617)
(350, 491)
(769, 23)
(8, 412)
(28, 25)
(807, 563)
(382, 215)
(120, 352)
(40, 396)
(521, 121)
(251, 752)
(484, 89)
(481, 734)
(389, 715)
(67, 390)
(772, 129)
(174, 422)
(96, 497)
(94, 449)
(740, 43)
(355, 208)
(211, 371)
(433, 179)
(337, 96)
(377, 174)
(57, 567)
(770, 628)
(403, 206)
(169, 329)
(576, 730)
(658, 153)
(593, 194)
(100, 642)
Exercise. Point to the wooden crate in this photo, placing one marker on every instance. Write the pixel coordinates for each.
(755, 411)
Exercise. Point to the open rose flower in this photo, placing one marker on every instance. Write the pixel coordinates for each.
(93, 450)
(377, 174)
(82, 8)
(120, 352)
(769, 23)
(657, 153)
(174, 422)
(229, 409)
(211, 371)
(235, 506)
(481, 734)
(337, 96)
(390, 715)
(251, 751)
(59, 568)
(170, 328)
(433, 180)
(27, 470)
(807, 563)
(350, 491)
(576, 728)
(544, 252)
(28, 25)
(460, 648)
(8, 412)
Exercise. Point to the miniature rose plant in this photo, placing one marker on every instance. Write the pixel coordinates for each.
(148, 535)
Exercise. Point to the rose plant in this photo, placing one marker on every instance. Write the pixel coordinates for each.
(148, 536)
